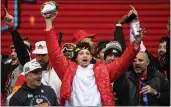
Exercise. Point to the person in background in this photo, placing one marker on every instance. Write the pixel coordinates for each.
(68, 50)
(20, 54)
(101, 48)
(125, 19)
(118, 35)
(23, 49)
(159, 61)
(156, 62)
(112, 52)
(33, 92)
(129, 91)
(167, 57)
(49, 76)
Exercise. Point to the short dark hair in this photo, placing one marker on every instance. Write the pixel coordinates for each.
(26, 39)
(163, 39)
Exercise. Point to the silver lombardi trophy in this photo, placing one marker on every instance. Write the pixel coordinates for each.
(49, 8)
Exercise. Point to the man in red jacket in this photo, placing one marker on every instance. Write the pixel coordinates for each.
(85, 84)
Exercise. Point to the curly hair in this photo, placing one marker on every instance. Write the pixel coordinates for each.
(80, 46)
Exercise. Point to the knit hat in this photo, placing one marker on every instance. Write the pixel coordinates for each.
(114, 48)
(31, 66)
(81, 46)
(102, 45)
(80, 35)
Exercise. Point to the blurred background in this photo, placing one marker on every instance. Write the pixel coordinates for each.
(94, 16)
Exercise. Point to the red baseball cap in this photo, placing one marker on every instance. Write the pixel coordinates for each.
(80, 35)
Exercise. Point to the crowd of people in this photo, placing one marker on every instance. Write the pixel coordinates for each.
(80, 74)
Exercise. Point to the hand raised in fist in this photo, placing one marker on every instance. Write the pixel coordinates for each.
(9, 20)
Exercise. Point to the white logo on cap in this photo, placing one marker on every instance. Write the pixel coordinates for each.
(39, 100)
(113, 44)
(27, 69)
(114, 51)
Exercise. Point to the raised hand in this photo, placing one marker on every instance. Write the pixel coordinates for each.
(139, 38)
(49, 10)
(9, 20)
(133, 10)
(132, 14)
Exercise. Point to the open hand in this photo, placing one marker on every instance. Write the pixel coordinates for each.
(138, 38)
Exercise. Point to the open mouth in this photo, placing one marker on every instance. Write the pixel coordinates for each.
(84, 60)
(38, 80)
(13, 58)
(110, 60)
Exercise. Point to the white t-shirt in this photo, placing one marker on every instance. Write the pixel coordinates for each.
(50, 78)
(84, 89)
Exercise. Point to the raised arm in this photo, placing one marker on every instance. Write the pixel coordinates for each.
(56, 56)
(118, 34)
(21, 50)
(117, 67)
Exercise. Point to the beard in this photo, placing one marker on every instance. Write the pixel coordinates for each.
(139, 71)
(160, 54)
(44, 65)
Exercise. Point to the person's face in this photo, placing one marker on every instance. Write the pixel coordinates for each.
(68, 54)
(43, 60)
(34, 78)
(91, 43)
(14, 57)
(101, 55)
(84, 57)
(140, 63)
(110, 58)
(161, 49)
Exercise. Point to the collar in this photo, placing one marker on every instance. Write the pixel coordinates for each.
(90, 66)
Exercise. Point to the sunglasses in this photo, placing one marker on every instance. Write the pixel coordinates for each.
(68, 47)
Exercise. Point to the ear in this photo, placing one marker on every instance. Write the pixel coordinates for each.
(26, 76)
(76, 59)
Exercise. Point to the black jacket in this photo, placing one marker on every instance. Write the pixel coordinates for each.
(42, 96)
(167, 58)
(155, 62)
(20, 47)
(126, 89)
(119, 36)
(23, 56)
